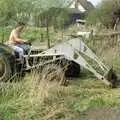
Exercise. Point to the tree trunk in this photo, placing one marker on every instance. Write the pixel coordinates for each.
(47, 28)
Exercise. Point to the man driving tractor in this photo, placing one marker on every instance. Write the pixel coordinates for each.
(19, 45)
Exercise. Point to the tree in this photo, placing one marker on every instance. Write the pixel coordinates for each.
(32, 11)
(12, 11)
(104, 13)
(47, 13)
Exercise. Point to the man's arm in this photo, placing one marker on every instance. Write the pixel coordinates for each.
(17, 39)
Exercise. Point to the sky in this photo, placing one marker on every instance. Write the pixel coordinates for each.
(95, 2)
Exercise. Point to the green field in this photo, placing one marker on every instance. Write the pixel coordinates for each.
(34, 99)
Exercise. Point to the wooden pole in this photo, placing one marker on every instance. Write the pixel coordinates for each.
(47, 28)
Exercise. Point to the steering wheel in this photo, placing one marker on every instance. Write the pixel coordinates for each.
(28, 43)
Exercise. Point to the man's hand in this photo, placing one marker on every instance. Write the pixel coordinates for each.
(27, 42)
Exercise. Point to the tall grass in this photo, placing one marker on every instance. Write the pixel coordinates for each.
(40, 95)
(37, 97)
(29, 33)
(27, 98)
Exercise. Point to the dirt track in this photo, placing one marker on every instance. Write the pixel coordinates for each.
(102, 114)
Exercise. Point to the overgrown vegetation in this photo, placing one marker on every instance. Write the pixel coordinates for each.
(105, 13)
(36, 34)
(107, 49)
(38, 13)
(35, 13)
(37, 99)
(30, 34)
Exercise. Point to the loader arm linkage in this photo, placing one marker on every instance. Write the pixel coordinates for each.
(76, 50)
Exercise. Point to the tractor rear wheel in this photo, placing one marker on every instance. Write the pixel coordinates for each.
(5, 69)
(54, 73)
(73, 69)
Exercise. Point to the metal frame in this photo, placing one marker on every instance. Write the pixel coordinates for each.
(72, 50)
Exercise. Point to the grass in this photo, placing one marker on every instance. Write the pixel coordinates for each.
(37, 99)
(31, 34)
(39, 33)
(107, 49)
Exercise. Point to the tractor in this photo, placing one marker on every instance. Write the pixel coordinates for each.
(74, 51)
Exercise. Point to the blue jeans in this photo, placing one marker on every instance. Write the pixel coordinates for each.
(19, 51)
(25, 47)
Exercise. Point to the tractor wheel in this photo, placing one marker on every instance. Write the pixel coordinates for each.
(54, 73)
(73, 69)
(5, 69)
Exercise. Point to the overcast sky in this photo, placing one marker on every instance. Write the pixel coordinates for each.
(95, 2)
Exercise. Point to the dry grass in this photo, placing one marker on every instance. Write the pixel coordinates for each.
(107, 49)
(32, 95)
(38, 99)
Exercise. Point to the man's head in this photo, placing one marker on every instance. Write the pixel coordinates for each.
(20, 26)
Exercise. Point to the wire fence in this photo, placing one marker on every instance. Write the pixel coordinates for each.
(107, 47)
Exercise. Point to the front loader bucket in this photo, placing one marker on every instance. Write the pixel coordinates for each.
(112, 77)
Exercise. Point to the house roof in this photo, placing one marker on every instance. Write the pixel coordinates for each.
(84, 3)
